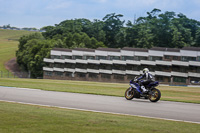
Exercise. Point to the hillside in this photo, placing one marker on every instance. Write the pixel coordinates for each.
(9, 45)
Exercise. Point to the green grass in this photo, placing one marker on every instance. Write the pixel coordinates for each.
(20, 118)
(169, 93)
(9, 45)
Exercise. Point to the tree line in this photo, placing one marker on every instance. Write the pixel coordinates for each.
(157, 29)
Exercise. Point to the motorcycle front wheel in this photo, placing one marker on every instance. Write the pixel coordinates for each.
(129, 94)
(155, 95)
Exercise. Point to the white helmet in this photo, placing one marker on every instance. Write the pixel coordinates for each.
(145, 70)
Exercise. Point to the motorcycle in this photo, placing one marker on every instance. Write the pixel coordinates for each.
(135, 91)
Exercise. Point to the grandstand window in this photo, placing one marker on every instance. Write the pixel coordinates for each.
(69, 74)
(93, 75)
(127, 57)
(101, 57)
(114, 57)
(77, 57)
(138, 58)
(118, 76)
(107, 76)
(81, 75)
(179, 79)
(154, 58)
(66, 57)
(55, 57)
(47, 73)
(175, 58)
(187, 58)
(58, 73)
(88, 57)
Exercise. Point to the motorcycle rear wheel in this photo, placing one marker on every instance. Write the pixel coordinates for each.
(155, 96)
(129, 94)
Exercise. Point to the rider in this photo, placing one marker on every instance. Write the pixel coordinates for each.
(148, 78)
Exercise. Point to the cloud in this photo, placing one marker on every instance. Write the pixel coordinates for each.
(150, 4)
(58, 4)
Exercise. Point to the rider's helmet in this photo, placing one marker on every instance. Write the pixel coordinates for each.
(145, 70)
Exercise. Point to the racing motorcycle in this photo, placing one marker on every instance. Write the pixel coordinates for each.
(135, 91)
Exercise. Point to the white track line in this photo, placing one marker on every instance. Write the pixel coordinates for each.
(102, 112)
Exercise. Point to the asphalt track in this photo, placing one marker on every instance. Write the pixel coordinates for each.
(175, 111)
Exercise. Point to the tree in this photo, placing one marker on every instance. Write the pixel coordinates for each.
(48, 31)
(197, 39)
(22, 47)
(144, 38)
(178, 39)
(96, 31)
(112, 26)
(32, 49)
(156, 29)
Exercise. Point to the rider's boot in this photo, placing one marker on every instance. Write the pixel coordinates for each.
(143, 89)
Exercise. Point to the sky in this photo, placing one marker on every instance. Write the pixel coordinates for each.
(40, 13)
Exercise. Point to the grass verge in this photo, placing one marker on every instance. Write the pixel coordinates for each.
(9, 44)
(20, 118)
(169, 93)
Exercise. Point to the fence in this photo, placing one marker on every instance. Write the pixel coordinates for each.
(7, 74)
